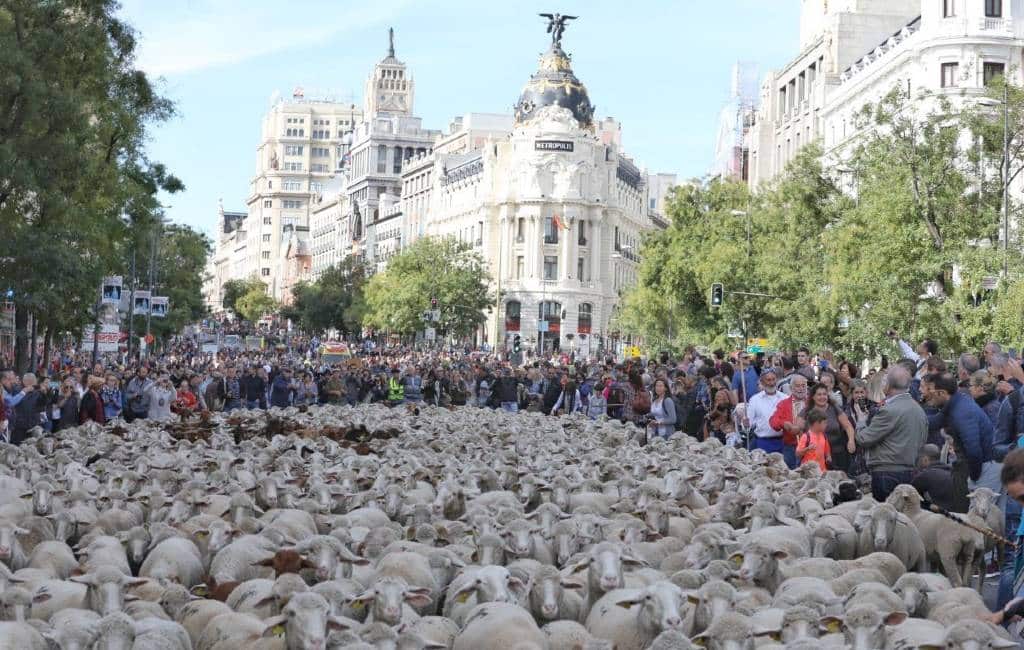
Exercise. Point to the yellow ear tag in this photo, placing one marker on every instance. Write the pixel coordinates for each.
(201, 535)
(357, 605)
(737, 560)
(278, 630)
(700, 642)
(832, 626)
(463, 597)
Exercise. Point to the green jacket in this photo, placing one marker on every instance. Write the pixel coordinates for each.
(396, 392)
(895, 436)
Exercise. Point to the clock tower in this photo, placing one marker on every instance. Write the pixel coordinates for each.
(389, 88)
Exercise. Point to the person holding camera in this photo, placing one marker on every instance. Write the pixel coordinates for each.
(137, 393)
(161, 395)
(67, 404)
(112, 397)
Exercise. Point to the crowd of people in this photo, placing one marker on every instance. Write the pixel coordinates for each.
(921, 420)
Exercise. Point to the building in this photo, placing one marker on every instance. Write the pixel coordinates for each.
(329, 221)
(554, 205)
(389, 136)
(734, 122)
(834, 34)
(228, 259)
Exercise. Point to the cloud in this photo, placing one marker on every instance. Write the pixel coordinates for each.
(209, 33)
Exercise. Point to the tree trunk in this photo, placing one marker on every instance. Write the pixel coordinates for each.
(33, 357)
(20, 339)
(47, 344)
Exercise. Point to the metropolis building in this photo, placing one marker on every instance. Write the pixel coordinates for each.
(555, 207)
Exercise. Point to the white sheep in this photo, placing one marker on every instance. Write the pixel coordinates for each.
(499, 626)
(631, 619)
(174, 560)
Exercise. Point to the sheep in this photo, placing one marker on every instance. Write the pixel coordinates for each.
(389, 600)
(632, 618)
(230, 630)
(913, 589)
(876, 595)
(476, 585)
(175, 560)
(190, 612)
(240, 559)
(947, 544)
(967, 634)
(156, 633)
(864, 627)
(11, 552)
(552, 597)
(305, 622)
(21, 636)
(55, 557)
(329, 557)
(523, 539)
(833, 537)
(73, 629)
(893, 532)
(985, 512)
(434, 629)
(604, 564)
(105, 551)
(888, 564)
(731, 631)
(844, 584)
(499, 626)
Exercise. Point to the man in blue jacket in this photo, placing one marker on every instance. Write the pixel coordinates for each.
(281, 389)
(968, 426)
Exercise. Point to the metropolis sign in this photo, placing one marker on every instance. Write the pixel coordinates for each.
(552, 145)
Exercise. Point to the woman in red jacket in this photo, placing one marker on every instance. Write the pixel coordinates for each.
(91, 407)
(788, 418)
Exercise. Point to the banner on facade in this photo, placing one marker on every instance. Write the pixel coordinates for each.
(111, 293)
(142, 302)
(158, 306)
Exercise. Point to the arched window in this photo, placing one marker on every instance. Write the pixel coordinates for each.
(586, 313)
(513, 311)
(551, 312)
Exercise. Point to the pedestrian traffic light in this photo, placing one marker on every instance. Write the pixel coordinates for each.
(433, 303)
(516, 341)
(717, 295)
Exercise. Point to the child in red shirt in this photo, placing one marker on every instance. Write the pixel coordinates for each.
(812, 446)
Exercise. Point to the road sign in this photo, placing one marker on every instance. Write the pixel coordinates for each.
(542, 326)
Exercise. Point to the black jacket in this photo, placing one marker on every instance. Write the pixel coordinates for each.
(253, 388)
(506, 389)
(935, 483)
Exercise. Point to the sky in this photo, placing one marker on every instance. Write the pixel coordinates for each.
(660, 67)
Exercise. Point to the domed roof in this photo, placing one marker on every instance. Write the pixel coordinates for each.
(554, 84)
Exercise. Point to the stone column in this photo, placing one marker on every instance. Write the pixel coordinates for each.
(597, 250)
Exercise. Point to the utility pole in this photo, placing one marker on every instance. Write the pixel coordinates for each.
(1006, 174)
(131, 307)
(152, 269)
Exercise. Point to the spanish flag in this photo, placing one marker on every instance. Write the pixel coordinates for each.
(557, 221)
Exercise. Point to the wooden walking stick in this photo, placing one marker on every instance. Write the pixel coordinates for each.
(984, 531)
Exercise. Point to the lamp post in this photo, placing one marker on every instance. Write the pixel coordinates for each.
(988, 101)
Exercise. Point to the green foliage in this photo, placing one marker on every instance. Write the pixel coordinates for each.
(884, 259)
(431, 268)
(255, 303)
(334, 301)
(232, 290)
(73, 118)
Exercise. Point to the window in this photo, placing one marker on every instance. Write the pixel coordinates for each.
(293, 149)
(268, 203)
(291, 185)
(321, 134)
(582, 235)
(266, 255)
(520, 229)
(580, 268)
(550, 231)
(264, 272)
(653, 203)
(948, 8)
(293, 167)
(266, 238)
(949, 74)
(316, 187)
(267, 221)
(291, 204)
(294, 133)
(319, 168)
(320, 152)
(993, 8)
(583, 325)
(550, 267)
(551, 312)
(382, 159)
(396, 167)
(992, 71)
(520, 266)
(513, 315)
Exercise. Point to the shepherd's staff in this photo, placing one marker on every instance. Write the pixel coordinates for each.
(984, 531)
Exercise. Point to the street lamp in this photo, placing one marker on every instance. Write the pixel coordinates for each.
(988, 101)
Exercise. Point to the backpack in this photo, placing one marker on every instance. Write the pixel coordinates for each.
(642, 403)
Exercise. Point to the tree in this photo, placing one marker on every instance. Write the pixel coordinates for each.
(444, 269)
(255, 302)
(232, 290)
(334, 301)
(73, 118)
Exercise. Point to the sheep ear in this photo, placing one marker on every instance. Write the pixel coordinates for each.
(274, 626)
(629, 602)
(462, 595)
(85, 579)
(576, 567)
(268, 562)
(418, 596)
(40, 598)
(265, 602)
(780, 555)
(895, 618)
(628, 558)
(338, 624)
(996, 642)
(571, 583)
(200, 590)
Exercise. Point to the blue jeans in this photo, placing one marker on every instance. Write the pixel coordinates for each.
(883, 483)
(1008, 570)
(511, 407)
(232, 404)
(252, 403)
(768, 445)
(789, 454)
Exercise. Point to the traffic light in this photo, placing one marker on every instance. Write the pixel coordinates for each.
(717, 295)
(433, 303)
(516, 343)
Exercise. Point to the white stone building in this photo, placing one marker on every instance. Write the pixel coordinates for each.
(555, 207)
(329, 233)
(833, 35)
(228, 259)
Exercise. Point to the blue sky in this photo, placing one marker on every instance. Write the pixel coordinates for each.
(660, 67)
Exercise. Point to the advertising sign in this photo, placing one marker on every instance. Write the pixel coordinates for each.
(111, 294)
(158, 306)
(142, 302)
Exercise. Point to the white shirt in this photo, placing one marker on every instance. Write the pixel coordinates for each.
(760, 409)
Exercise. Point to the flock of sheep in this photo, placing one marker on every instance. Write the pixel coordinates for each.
(470, 529)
